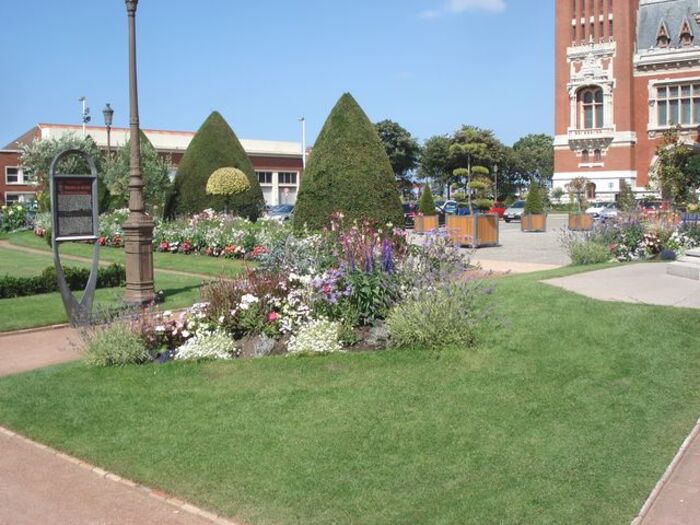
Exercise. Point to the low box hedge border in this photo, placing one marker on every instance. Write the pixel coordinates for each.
(107, 277)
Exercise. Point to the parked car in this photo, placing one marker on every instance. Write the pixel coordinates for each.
(281, 213)
(598, 207)
(409, 214)
(449, 207)
(609, 212)
(652, 206)
(514, 211)
(499, 209)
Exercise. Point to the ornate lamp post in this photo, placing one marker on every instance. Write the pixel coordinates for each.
(108, 113)
(138, 229)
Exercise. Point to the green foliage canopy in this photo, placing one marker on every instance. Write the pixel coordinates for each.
(426, 205)
(534, 204)
(348, 171)
(402, 149)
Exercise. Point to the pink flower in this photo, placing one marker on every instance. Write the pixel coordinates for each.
(272, 317)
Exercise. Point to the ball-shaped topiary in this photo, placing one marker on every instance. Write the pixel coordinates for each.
(426, 204)
(348, 171)
(227, 182)
(214, 146)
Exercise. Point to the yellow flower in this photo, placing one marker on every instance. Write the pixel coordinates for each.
(228, 182)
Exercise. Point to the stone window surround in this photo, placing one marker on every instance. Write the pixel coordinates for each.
(653, 126)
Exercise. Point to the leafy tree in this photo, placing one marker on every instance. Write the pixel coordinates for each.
(626, 201)
(677, 170)
(227, 182)
(37, 157)
(348, 171)
(402, 148)
(434, 160)
(426, 205)
(534, 157)
(154, 170)
(534, 204)
(214, 146)
(558, 193)
(475, 146)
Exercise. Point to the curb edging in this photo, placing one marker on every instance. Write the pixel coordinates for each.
(151, 493)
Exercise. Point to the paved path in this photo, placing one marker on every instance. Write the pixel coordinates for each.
(644, 283)
(22, 351)
(676, 498)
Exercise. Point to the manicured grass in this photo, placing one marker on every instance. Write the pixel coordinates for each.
(20, 264)
(568, 414)
(47, 309)
(163, 261)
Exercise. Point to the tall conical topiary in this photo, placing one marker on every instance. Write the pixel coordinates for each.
(214, 146)
(426, 204)
(349, 172)
(534, 204)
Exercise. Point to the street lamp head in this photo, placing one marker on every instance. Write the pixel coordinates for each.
(131, 6)
(108, 113)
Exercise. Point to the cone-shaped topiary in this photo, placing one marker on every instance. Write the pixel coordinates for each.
(349, 172)
(534, 204)
(214, 146)
(426, 205)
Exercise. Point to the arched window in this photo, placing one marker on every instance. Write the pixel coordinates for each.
(598, 155)
(590, 191)
(585, 156)
(590, 102)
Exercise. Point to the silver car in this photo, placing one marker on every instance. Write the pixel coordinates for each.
(514, 212)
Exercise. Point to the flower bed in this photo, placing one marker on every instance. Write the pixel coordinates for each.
(629, 239)
(319, 294)
(208, 233)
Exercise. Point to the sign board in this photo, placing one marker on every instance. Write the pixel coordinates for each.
(74, 217)
(74, 205)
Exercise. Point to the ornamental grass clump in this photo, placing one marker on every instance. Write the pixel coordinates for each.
(114, 344)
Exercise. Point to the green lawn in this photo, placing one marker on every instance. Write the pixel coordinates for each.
(163, 261)
(19, 264)
(568, 414)
(47, 309)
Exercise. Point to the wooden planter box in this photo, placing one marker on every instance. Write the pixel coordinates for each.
(533, 223)
(473, 230)
(580, 222)
(426, 223)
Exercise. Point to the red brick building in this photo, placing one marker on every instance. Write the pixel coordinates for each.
(626, 71)
(279, 165)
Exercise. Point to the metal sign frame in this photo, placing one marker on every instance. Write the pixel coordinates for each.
(79, 313)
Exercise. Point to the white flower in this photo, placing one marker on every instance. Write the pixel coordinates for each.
(247, 301)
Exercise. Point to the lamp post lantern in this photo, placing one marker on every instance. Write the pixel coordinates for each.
(138, 229)
(108, 113)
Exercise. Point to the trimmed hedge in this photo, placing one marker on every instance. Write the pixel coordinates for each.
(534, 204)
(349, 172)
(107, 277)
(426, 204)
(214, 146)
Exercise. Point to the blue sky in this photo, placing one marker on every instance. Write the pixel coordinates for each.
(431, 65)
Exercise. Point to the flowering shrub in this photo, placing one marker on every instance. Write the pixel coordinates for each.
(227, 181)
(317, 337)
(216, 345)
(12, 217)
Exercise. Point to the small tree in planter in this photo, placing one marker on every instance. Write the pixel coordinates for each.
(476, 229)
(427, 216)
(579, 221)
(534, 218)
(626, 201)
(227, 182)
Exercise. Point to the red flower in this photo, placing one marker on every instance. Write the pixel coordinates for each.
(272, 317)
(164, 246)
(101, 241)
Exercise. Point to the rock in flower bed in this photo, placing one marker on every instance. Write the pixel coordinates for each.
(629, 239)
(332, 293)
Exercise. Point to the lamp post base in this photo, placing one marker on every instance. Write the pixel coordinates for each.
(138, 245)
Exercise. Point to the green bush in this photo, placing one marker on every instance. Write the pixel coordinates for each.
(483, 205)
(214, 146)
(426, 205)
(77, 278)
(447, 316)
(349, 172)
(115, 344)
(534, 204)
(587, 252)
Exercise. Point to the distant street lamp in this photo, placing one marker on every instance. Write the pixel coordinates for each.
(108, 113)
(138, 229)
(495, 175)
